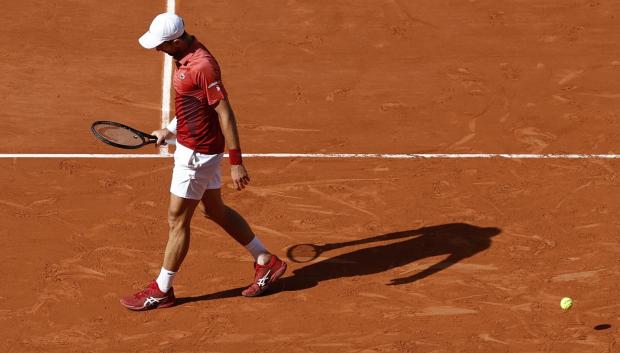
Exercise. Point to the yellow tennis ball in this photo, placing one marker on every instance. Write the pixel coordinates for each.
(566, 303)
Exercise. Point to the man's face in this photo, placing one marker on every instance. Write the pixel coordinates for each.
(169, 47)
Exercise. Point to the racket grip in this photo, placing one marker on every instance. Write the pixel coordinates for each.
(171, 141)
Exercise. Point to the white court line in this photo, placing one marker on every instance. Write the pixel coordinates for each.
(331, 156)
(166, 84)
(81, 155)
(432, 155)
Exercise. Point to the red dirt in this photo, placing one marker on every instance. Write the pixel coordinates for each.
(435, 255)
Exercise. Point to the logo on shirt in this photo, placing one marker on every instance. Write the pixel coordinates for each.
(216, 85)
(182, 76)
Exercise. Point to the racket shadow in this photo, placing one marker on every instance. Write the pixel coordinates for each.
(457, 240)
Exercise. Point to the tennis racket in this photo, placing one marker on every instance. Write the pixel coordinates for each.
(120, 135)
(307, 252)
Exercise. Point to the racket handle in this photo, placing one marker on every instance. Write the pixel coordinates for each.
(171, 141)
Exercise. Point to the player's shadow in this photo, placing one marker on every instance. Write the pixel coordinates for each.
(456, 240)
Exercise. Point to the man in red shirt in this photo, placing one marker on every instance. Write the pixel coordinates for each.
(204, 123)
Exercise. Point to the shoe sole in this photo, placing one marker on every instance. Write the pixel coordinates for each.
(276, 276)
(145, 308)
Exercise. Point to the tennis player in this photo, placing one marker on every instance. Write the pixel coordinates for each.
(203, 125)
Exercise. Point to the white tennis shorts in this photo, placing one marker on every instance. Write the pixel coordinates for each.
(194, 173)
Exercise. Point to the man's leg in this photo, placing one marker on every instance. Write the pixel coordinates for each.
(268, 267)
(180, 214)
(159, 293)
(233, 223)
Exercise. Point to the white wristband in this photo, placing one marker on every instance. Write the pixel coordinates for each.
(172, 126)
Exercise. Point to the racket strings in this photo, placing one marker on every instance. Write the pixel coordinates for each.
(119, 135)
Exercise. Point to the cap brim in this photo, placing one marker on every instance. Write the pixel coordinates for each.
(149, 41)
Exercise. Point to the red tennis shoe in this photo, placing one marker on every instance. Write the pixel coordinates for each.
(265, 276)
(149, 298)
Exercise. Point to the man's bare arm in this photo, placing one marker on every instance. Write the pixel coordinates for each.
(228, 125)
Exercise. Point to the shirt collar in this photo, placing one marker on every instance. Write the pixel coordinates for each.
(191, 50)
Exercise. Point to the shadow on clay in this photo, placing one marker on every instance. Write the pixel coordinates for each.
(457, 240)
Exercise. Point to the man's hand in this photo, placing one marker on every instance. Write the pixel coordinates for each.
(162, 135)
(239, 176)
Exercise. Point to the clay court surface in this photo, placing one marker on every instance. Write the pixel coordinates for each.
(432, 255)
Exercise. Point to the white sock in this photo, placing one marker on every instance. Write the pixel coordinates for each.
(164, 281)
(255, 247)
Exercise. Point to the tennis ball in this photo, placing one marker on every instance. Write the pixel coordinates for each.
(566, 303)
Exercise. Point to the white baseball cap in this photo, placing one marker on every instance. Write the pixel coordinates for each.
(165, 26)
